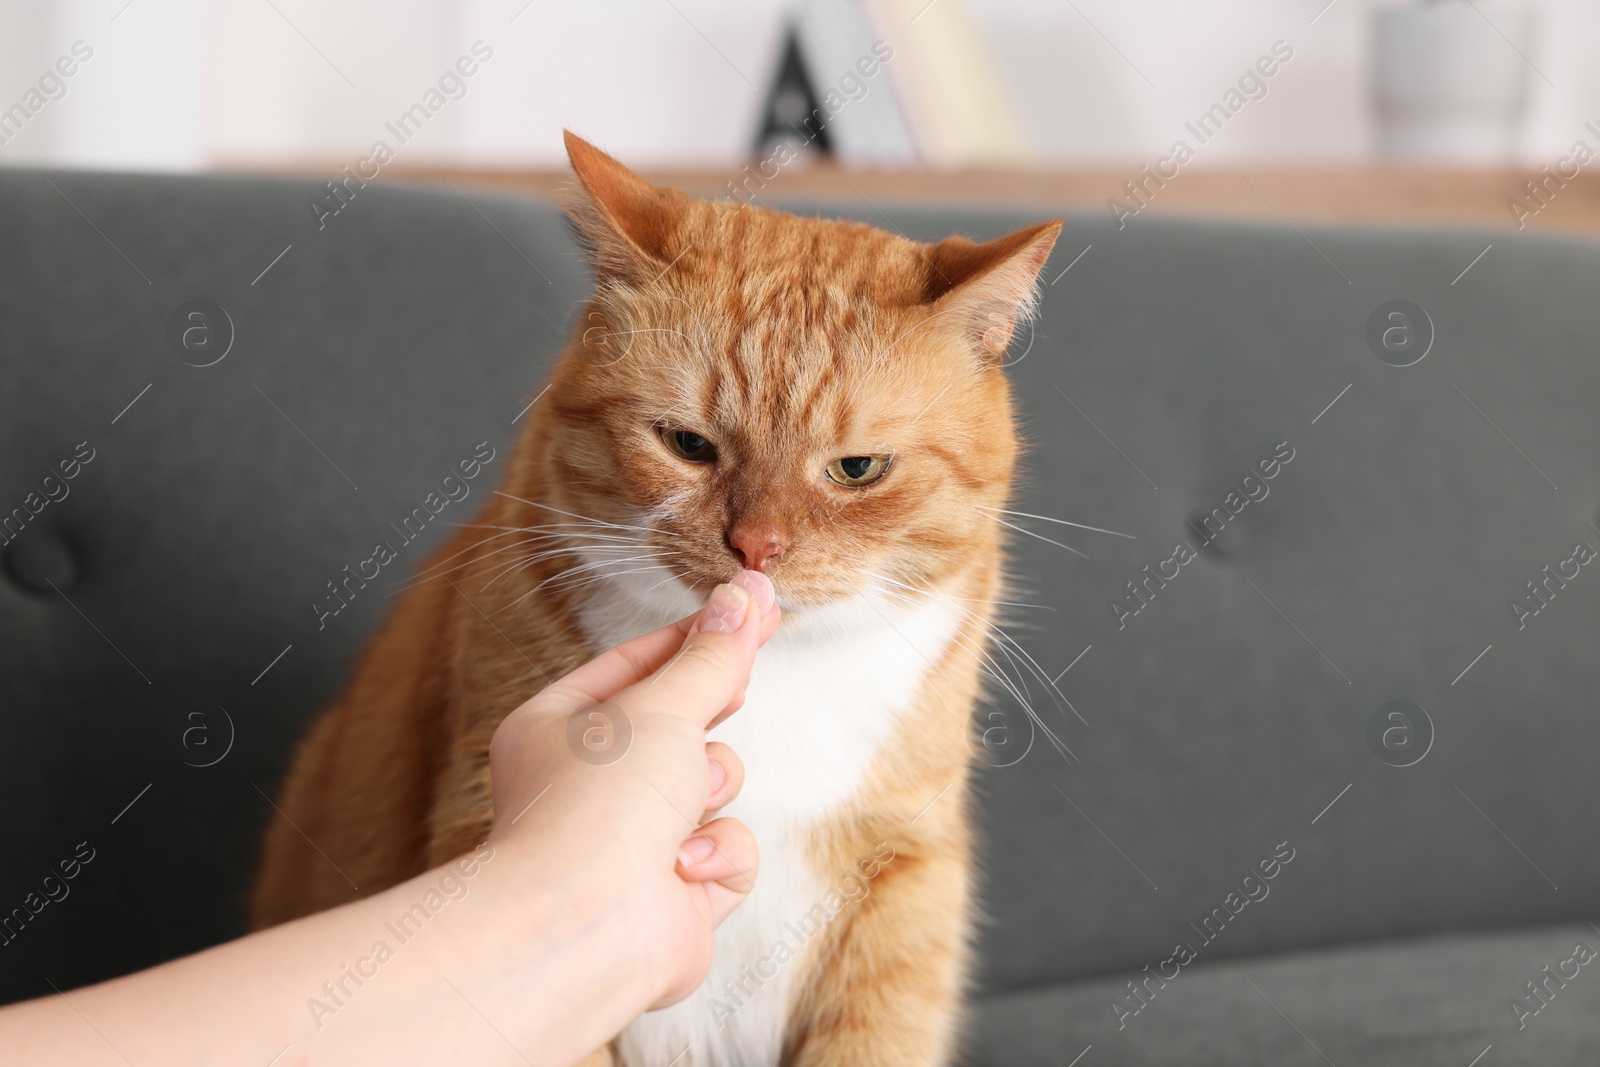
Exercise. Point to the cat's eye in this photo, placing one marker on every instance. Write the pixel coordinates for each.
(688, 445)
(856, 471)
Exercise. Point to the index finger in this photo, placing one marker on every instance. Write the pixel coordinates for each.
(635, 660)
(707, 679)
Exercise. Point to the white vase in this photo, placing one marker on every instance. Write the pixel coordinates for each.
(1450, 79)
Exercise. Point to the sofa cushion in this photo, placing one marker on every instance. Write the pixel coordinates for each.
(369, 358)
(1439, 1001)
(1224, 722)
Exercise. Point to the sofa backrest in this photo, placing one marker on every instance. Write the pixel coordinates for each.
(160, 650)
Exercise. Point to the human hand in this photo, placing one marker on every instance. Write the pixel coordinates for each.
(623, 839)
(600, 903)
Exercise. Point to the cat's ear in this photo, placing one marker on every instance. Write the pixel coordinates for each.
(630, 226)
(988, 288)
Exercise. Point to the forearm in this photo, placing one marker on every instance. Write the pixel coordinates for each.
(539, 952)
(441, 969)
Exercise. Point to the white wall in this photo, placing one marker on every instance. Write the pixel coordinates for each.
(134, 104)
(186, 84)
(1084, 102)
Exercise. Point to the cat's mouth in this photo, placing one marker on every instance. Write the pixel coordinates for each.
(671, 571)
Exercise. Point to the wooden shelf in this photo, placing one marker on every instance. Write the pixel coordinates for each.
(1383, 196)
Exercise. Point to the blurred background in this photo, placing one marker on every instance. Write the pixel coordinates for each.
(1387, 109)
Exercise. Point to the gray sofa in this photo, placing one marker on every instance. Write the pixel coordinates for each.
(1352, 880)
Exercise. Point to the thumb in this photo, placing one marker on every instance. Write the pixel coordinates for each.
(713, 666)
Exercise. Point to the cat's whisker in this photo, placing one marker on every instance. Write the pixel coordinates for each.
(561, 580)
(671, 575)
(963, 599)
(1003, 640)
(444, 569)
(584, 539)
(562, 529)
(588, 555)
(569, 540)
(549, 553)
(1040, 537)
(484, 526)
(1007, 644)
(538, 527)
(593, 565)
(509, 531)
(515, 602)
(475, 545)
(1022, 701)
(444, 566)
(571, 531)
(591, 579)
(896, 629)
(993, 669)
(573, 514)
(1047, 518)
(988, 665)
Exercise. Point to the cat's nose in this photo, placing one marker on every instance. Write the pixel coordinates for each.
(756, 546)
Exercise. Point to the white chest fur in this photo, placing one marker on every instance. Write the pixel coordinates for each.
(823, 698)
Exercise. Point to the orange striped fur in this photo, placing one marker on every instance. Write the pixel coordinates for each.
(787, 343)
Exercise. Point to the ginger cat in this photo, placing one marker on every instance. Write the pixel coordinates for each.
(816, 399)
